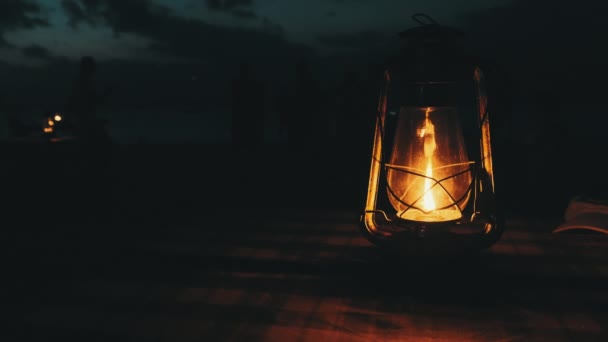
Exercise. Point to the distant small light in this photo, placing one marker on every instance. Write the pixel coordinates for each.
(57, 117)
(51, 122)
(48, 129)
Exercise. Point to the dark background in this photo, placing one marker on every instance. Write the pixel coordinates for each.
(169, 65)
(100, 239)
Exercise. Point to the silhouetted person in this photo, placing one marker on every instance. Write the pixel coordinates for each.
(248, 112)
(92, 156)
(83, 102)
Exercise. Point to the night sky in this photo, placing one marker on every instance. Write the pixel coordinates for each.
(168, 62)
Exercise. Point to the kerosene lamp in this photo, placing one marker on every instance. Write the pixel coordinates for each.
(431, 183)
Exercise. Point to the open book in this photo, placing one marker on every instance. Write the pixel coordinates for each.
(587, 214)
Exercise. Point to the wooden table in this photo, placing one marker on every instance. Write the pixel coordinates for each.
(301, 276)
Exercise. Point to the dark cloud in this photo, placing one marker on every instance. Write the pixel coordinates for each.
(237, 8)
(346, 2)
(77, 13)
(183, 37)
(19, 14)
(36, 51)
(133, 16)
(272, 27)
(243, 14)
(228, 4)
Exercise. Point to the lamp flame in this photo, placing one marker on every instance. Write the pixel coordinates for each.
(428, 133)
(428, 202)
(431, 200)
